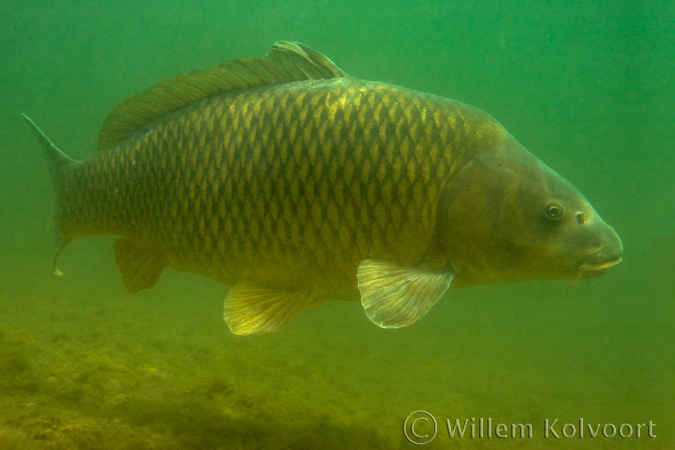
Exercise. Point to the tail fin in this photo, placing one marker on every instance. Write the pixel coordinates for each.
(56, 159)
(55, 156)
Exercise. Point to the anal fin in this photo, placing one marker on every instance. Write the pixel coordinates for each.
(140, 266)
(251, 309)
(395, 296)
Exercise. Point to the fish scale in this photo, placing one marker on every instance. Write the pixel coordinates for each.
(325, 170)
(294, 183)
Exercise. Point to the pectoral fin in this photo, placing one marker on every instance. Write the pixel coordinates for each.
(140, 266)
(395, 296)
(252, 309)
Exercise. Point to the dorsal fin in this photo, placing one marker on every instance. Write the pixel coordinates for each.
(286, 62)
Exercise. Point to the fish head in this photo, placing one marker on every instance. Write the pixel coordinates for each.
(507, 216)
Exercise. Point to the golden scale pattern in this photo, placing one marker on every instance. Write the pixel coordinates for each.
(319, 174)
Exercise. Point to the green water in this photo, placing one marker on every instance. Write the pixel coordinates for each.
(588, 86)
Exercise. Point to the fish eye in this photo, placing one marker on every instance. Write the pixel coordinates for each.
(554, 211)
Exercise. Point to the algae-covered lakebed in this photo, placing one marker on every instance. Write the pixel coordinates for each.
(588, 87)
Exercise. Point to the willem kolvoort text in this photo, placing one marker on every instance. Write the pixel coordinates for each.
(485, 428)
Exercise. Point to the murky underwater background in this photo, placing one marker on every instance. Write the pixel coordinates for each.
(588, 86)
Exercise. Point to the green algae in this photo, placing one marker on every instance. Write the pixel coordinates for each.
(75, 386)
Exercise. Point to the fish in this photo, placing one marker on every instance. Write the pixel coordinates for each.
(294, 183)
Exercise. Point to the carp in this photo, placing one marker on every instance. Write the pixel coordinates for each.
(294, 183)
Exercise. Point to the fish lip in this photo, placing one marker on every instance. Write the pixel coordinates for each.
(603, 265)
(597, 261)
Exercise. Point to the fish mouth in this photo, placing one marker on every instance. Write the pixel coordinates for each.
(602, 265)
(594, 266)
(600, 260)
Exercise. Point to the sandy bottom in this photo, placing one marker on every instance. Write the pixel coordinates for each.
(84, 365)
